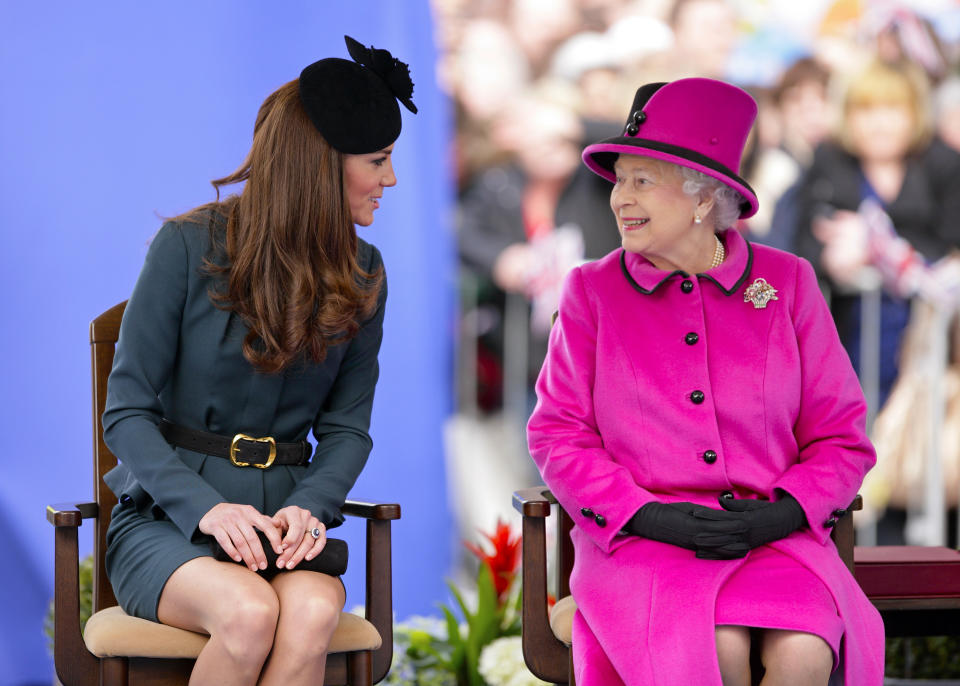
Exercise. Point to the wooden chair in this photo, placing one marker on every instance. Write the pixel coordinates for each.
(547, 631)
(118, 650)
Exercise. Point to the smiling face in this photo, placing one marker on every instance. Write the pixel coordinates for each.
(656, 218)
(364, 178)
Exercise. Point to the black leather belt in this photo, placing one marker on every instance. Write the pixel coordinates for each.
(242, 450)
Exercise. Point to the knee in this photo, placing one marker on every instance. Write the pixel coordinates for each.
(317, 614)
(316, 618)
(250, 623)
(804, 657)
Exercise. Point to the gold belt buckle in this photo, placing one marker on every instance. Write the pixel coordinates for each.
(245, 437)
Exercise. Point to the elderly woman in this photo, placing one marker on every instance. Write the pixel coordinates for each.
(701, 422)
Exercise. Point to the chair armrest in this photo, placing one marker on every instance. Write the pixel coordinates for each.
(378, 605)
(70, 513)
(367, 510)
(546, 657)
(533, 502)
(843, 535)
(74, 664)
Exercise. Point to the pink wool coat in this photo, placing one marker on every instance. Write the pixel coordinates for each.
(619, 423)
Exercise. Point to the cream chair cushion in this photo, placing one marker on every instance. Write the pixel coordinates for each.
(561, 618)
(114, 633)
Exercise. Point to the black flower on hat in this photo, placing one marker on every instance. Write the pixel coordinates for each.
(389, 68)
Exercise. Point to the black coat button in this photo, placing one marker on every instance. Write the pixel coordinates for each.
(125, 499)
(691, 338)
(830, 523)
(600, 520)
(632, 129)
(839, 512)
(697, 397)
(686, 286)
(710, 457)
(586, 512)
(727, 495)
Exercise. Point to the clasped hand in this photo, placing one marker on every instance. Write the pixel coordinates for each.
(724, 534)
(235, 528)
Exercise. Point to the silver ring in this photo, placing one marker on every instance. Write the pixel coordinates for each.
(315, 532)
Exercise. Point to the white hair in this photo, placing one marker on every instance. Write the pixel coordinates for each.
(726, 200)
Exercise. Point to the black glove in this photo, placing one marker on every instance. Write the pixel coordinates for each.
(713, 534)
(332, 559)
(766, 520)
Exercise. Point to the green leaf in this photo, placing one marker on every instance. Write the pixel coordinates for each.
(453, 627)
(468, 616)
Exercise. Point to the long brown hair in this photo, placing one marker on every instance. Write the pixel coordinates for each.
(291, 272)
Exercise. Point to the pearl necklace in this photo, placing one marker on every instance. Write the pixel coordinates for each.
(718, 253)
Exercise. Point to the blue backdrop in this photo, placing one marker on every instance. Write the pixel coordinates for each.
(115, 113)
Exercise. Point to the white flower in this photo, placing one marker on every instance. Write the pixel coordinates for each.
(501, 664)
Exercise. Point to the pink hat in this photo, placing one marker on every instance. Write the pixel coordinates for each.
(698, 123)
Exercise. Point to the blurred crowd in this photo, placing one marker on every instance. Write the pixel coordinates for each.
(854, 159)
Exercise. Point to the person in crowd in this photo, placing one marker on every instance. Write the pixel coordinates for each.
(800, 99)
(255, 319)
(699, 419)
(524, 224)
(947, 107)
(883, 152)
(884, 161)
(704, 36)
(539, 26)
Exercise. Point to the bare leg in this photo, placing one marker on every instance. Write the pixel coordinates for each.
(235, 606)
(733, 653)
(310, 606)
(795, 658)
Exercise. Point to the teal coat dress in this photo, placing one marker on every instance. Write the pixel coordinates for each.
(179, 357)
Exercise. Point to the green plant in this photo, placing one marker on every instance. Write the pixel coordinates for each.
(86, 601)
(490, 620)
(431, 651)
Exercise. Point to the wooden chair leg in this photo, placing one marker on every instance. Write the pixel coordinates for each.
(360, 668)
(572, 680)
(114, 671)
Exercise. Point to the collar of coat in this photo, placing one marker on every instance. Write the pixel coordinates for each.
(728, 276)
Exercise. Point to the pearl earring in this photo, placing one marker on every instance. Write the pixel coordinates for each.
(697, 219)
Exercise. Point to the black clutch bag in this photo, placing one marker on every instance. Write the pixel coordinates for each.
(332, 559)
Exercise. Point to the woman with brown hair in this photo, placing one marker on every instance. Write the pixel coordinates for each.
(256, 319)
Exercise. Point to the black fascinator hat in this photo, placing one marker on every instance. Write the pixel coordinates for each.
(354, 104)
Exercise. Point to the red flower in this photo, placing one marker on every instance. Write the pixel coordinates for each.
(505, 559)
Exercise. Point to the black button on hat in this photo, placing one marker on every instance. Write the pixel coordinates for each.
(686, 286)
(600, 520)
(697, 397)
(691, 338)
(586, 512)
(354, 104)
(710, 456)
